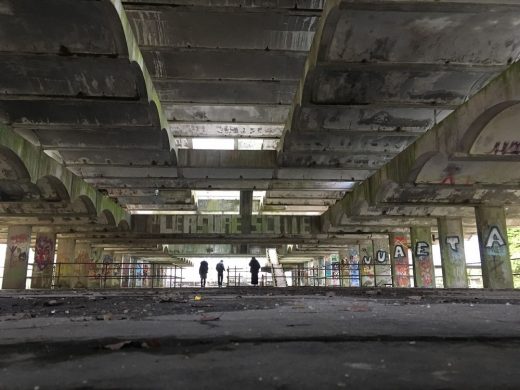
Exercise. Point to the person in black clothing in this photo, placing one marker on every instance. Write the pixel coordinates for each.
(254, 267)
(203, 272)
(220, 272)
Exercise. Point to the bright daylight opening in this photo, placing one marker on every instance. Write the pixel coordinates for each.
(214, 143)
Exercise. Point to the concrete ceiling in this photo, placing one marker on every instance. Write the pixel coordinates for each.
(314, 99)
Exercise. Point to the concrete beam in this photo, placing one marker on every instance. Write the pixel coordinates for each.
(354, 160)
(94, 77)
(212, 129)
(224, 64)
(282, 4)
(170, 27)
(64, 28)
(123, 157)
(226, 92)
(233, 112)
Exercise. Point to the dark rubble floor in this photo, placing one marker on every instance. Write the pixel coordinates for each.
(260, 338)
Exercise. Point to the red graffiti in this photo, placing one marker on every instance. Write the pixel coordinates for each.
(401, 267)
(425, 272)
(44, 252)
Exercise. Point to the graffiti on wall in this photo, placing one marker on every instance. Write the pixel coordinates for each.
(17, 248)
(453, 242)
(424, 265)
(367, 269)
(506, 148)
(401, 267)
(495, 244)
(44, 252)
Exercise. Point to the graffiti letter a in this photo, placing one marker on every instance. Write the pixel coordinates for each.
(399, 252)
(494, 237)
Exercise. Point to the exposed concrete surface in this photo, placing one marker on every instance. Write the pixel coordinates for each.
(260, 338)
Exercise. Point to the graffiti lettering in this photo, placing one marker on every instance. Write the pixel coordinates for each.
(506, 148)
(421, 249)
(453, 242)
(367, 259)
(399, 251)
(495, 237)
(381, 256)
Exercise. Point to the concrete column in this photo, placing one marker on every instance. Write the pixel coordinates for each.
(354, 265)
(382, 267)
(366, 252)
(64, 260)
(246, 210)
(423, 268)
(451, 240)
(16, 257)
(115, 276)
(344, 280)
(44, 251)
(494, 248)
(125, 271)
(399, 243)
(82, 265)
(104, 269)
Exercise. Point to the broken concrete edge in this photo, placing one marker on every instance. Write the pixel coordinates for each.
(135, 55)
(447, 135)
(39, 165)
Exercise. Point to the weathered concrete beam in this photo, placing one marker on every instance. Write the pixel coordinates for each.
(335, 159)
(226, 92)
(287, 4)
(233, 112)
(302, 194)
(367, 118)
(160, 207)
(170, 27)
(90, 139)
(240, 143)
(224, 64)
(205, 129)
(173, 196)
(297, 201)
(64, 221)
(80, 114)
(384, 31)
(418, 84)
(224, 184)
(61, 27)
(123, 157)
(108, 171)
(60, 77)
(346, 142)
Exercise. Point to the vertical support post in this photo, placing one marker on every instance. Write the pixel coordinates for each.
(17, 257)
(383, 267)
(451, 241)
(82, 263)
(494, 248)
(399, 243)
(366, 252)
(44, 251)
(64, 260)
(246, 214)
(423, 268)
(125, 271)
(343, 268)
(115, 272)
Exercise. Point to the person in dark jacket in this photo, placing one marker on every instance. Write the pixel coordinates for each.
(203, 272)
(220, 272)
(254, 267)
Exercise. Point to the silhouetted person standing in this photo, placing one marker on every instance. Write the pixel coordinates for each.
(203, 272)
(220, 272)
(254, 267)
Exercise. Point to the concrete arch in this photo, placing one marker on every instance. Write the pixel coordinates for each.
(123, 226)
(83, 204)
(107, 218)
(11, 166)
(52, 189)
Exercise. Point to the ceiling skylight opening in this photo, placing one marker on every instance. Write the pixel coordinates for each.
(214, 143)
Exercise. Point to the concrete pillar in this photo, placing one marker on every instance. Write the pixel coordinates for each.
(494, 248)
(354, 265)
(115, 272)
(366, 253)
(451, 240)
(64, 260)
(246, 215)
(382, 267)
(104, 267)
(246, 210)
(344, 273)
(17, 257)
(82, 265)
(423, 268)
(125, 271)
(399, 243)
(44, 251)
